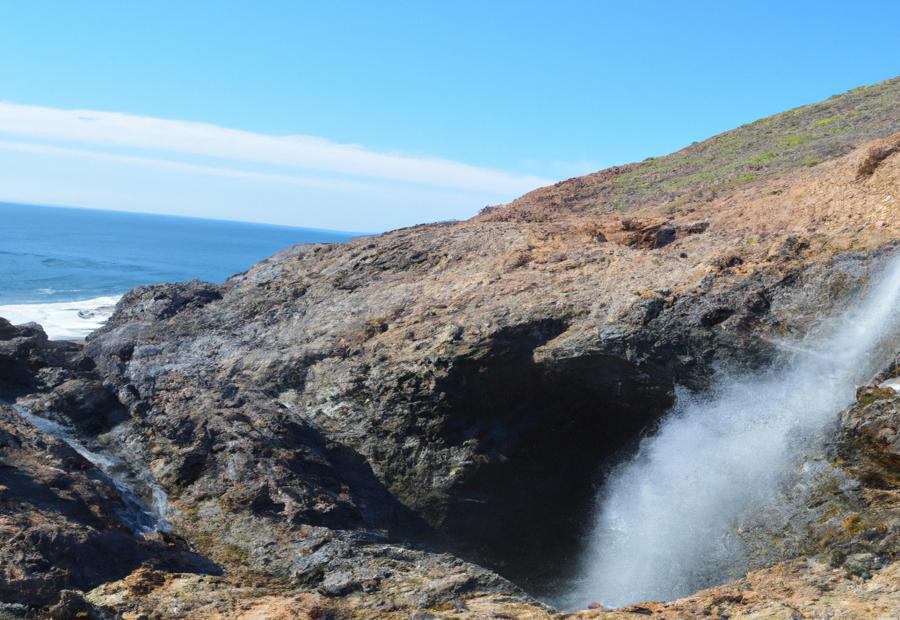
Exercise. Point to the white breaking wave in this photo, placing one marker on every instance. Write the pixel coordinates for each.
(667, 521)
(67, 320)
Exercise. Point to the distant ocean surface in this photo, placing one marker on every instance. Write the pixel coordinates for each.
(65, 268)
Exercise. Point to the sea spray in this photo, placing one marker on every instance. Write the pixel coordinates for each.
(66, 320)
(667, 521)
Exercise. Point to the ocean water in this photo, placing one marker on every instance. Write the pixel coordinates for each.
(66, 268)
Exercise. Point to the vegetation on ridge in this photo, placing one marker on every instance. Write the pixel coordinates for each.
(802, 137)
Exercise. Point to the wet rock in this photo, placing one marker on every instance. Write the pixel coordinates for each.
(83, 402)
(872, 432)
(60, 521)
(869, 393)
(11, 611)
(57, 518)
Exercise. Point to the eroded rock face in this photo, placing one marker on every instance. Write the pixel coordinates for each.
(68, 526)
(418, 386)
(27, 357)
(63, 523)
(327, 424)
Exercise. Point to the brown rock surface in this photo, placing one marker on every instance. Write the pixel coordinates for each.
(432, 377)
(62, 522)
(798, 589)
(329, 424)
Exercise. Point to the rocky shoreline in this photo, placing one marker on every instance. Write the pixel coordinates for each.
(411, 425)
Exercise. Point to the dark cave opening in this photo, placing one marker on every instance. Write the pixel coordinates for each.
(545, 429)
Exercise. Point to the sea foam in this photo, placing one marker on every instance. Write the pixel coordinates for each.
(67, 320)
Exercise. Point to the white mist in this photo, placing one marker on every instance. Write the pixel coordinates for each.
(666, 522)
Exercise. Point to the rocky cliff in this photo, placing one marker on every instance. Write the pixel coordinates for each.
(356, 430)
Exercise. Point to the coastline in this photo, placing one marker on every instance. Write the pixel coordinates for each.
(63, 320)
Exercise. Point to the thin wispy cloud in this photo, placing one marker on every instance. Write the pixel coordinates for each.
(150, 162)
(101, 130)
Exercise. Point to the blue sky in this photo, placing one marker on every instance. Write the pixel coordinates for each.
(405, 112)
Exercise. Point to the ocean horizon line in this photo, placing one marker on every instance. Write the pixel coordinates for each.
(351, 233)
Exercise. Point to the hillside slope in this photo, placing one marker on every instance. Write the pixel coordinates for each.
(798, 138)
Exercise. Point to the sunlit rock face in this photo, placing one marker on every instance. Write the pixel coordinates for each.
(456, 385)
(346, 428)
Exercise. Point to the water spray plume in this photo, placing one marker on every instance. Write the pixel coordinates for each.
(667, 521)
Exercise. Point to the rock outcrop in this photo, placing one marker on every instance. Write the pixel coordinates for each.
(64, 522)
(352, 430)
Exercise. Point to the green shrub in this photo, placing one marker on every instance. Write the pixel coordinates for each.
(795, 140)
(760, 159)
